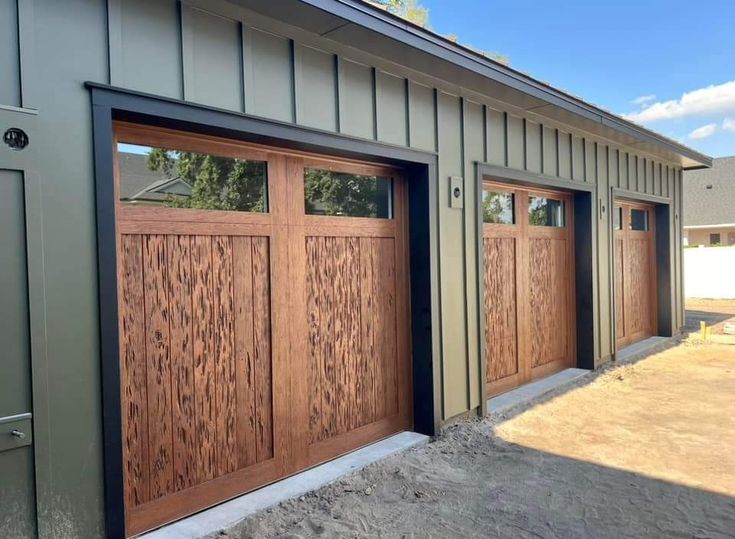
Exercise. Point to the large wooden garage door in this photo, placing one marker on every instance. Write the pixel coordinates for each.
(529, 285)
(262, 311)
(635, 272)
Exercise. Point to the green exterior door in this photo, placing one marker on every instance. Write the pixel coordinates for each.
(17, 492)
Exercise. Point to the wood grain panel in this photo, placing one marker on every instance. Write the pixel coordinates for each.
(182, 361)
(547, 299)
(385, 276)
(369, 340)
(639, 298)
(244, 350)
(158, 366)
(133, 372)
(225, 379)
(204, 350)
(262, 346)
(353, 352)
(619, 285)
(501, 330)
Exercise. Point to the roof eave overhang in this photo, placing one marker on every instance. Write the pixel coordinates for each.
(359, 25)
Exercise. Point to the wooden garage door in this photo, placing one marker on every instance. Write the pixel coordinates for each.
(529, 285)
(635, 272)
(263, 315)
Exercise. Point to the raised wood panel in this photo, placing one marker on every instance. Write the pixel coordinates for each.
(196, 367)
(548, 293)
(158, 366)
(619, 286)
(353, 355)
(639, 285)
(262, 343)
(500, 297)
(178, 261)
(133, 372)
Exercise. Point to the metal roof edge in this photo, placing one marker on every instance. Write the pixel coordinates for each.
(380, 21)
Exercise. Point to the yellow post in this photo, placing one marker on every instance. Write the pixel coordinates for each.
(703, 329)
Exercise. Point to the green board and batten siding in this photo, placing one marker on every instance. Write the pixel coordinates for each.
(228, 57)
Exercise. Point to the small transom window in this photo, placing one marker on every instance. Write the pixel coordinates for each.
(498, 207)
(347, 195)
(638, 219)
(544, 211)
(170, 178)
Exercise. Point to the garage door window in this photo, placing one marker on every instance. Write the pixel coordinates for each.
(160, 177)
(639, 220)
(347, 195)
(498, 207)
(618, 218)
(543, 211)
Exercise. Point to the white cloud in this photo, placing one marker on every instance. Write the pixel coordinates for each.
(714, 99)
(644, 99)
(703, 132)
(728, 124)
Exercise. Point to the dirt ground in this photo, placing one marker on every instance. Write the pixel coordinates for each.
(635, 450)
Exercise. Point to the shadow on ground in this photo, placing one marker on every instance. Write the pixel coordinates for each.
(693, 318)
(472, 484)
(640, 449)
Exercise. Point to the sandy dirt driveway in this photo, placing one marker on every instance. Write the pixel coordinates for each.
(637, 450)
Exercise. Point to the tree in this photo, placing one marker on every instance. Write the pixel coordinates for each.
(494, 205)
(411, 10)
(332, 193)
(217, 183)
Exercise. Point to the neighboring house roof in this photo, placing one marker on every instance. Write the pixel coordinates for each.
(359, 24)
(709, 194)
(141, 184)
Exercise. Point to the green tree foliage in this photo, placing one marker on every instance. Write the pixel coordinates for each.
(332, 193)
(496, 208)
(217, 183)
(411, 10)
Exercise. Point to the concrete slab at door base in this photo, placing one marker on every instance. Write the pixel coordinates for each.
(230, 513)
(640, 349)
(529, 392)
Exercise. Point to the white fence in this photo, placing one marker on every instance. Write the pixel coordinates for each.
(709, 272)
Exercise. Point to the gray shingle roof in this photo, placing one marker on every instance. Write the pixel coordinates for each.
(715, 205)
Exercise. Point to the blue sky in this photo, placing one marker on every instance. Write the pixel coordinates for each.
(677, 57)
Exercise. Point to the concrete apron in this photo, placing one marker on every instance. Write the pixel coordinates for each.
(227, 514)
(533, 390)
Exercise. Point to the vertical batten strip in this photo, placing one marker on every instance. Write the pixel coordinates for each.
(337, 115)
(505, 136)
(243, 67)
(374, 83)
(294, 82)
(407, 105)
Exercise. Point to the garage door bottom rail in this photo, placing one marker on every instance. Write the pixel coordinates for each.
(229, 513)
